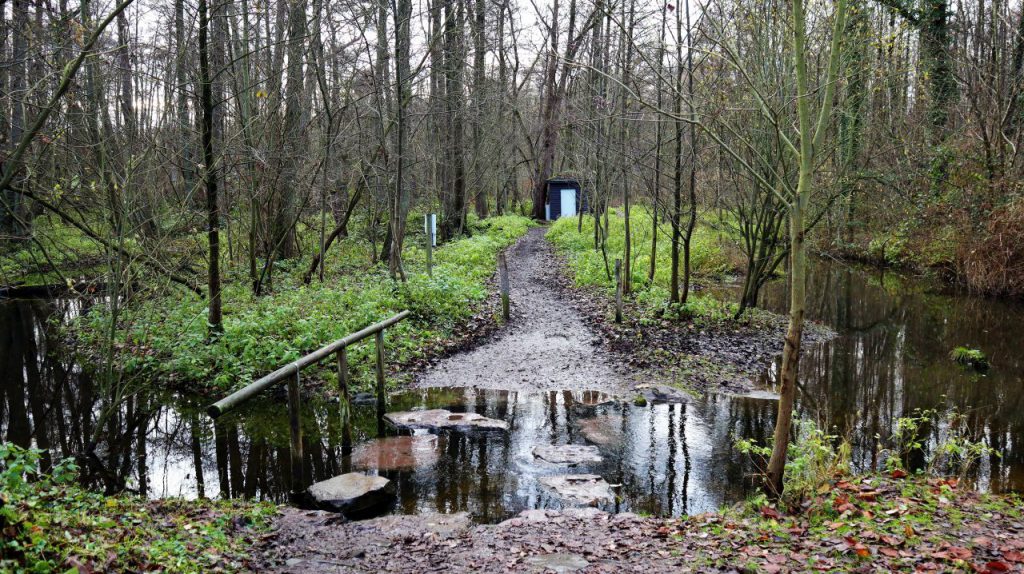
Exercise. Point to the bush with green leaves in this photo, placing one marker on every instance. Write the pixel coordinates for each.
(970, 358)
(945, 442)
(813, 458)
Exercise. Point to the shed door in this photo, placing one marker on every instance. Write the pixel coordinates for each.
(568, 202)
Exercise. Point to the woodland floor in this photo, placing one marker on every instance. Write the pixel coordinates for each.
(869, 525)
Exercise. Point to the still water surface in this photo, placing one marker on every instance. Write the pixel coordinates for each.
(890, 359)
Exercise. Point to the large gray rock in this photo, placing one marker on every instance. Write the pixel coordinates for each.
(586, 489)
(440, 419)
(570, 454)
(353, 494)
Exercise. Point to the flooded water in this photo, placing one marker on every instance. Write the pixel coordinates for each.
(890, 359)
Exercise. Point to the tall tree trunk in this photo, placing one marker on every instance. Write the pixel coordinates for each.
(811, 139)
(627, 69)
(283, 230)
(453, 221)
(479, 106)
(214, 316)
(403, 93)
(677, 187)
(181, 91)
(692, 184)
(10, 214)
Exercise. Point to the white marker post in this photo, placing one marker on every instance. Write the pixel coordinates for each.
(430, 230)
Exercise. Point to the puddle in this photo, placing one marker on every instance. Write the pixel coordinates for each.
(665, 459)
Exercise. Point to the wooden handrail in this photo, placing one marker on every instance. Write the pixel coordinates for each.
(245, 393)
(290, 373)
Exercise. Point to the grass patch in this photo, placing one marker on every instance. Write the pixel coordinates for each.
(165, 337)
(706, 255)
(50, 524)
(708, 259)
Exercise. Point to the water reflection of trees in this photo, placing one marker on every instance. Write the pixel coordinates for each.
(674, 459)
(891, 361)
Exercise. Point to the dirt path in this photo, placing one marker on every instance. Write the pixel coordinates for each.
(547, 346)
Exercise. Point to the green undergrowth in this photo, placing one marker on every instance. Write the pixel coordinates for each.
(58, 252)
(165, 336)
(708, 259)
(49, 524)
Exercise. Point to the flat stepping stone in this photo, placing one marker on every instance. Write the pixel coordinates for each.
(396, 453)
(602, 430)
(441, 419)
(761, 395)
(662, 394)
(570, 454)
(559, 562)
(585, 489)
(353, 494)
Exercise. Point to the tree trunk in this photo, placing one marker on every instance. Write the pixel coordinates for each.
(214, 316)
(292, 148)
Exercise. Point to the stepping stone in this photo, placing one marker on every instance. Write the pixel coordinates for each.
(571, 454)
(559, 562)
(760, 395)
(353, 494)
(396, 453)
(603, 430)
(440, 419)
(662, 394)
(586, 489)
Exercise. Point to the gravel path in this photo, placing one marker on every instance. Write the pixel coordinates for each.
(547, 345)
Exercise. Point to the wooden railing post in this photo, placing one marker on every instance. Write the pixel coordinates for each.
(618, 290)
(503, 283)
(295, 427)
(344, 400)
(381, 394)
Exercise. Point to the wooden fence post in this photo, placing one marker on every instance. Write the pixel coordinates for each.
(295, 426)
(618, 290)
(503, 284)
(345, 403)
(381, 394)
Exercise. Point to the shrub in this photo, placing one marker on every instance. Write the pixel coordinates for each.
(813, 459)
(970, 357)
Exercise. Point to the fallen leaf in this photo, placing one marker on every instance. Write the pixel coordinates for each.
(1013, 556)
(890, 552)
(899, 473)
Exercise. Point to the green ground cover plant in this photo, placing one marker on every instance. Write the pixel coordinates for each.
(164, 335)
(49, 524)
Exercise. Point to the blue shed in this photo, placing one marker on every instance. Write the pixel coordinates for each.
(564, 197)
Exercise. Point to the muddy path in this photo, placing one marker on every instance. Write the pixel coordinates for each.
(547, 345)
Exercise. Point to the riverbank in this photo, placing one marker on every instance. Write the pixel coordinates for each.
(48, 523)
(869, 523)
(162, 335)
(699, 346)
(977, 249)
